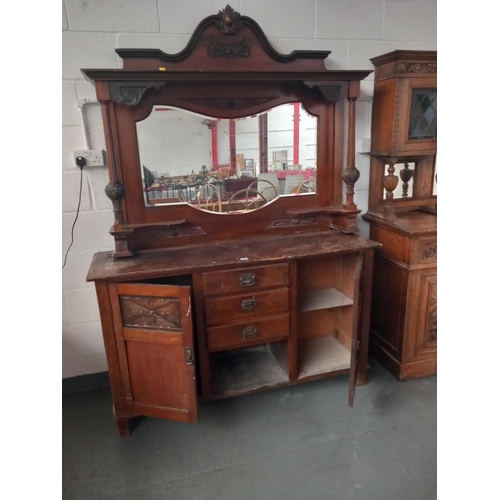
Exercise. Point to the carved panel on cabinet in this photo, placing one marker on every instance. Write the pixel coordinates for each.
(416, 67)
(426, 310)
(432, 315)
(425, 251)
(428, 251)
(151, 312)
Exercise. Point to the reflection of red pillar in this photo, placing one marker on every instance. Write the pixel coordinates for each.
(263, 159)
(232, 144)
(215, 145)
(296, 121)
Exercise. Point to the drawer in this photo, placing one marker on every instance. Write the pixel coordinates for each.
(242, 306)
(248, 278)
(247, 333)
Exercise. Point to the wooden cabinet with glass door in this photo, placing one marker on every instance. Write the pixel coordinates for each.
(402, 212)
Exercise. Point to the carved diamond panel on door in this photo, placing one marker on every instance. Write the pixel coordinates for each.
(151, 312)
(154, 339)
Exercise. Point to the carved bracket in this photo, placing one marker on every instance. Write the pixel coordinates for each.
(131, 93)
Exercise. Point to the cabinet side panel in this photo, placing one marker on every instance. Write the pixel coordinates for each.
(111, 349)
(388, 304)
(395, 246)
(383, 116)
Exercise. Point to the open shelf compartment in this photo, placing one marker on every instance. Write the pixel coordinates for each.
(322, 355)
(323, 299)
(249, 368)
(325, 315)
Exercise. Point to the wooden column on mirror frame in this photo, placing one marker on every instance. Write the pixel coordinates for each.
(114, 190)
(351, 174)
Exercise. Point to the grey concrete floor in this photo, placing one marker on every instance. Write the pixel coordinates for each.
(301, 442)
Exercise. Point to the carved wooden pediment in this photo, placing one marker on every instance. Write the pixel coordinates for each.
(227, 35)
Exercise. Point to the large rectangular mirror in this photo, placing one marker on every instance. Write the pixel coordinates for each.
(227, 165)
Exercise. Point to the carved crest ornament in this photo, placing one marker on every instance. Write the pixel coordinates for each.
(229, 21)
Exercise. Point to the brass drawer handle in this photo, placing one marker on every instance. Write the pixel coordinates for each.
(247, 279)
(249, 305)
(249, 332)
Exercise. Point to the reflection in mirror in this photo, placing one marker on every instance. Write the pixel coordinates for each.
(435, 178)
(404, 172)
(227, 165)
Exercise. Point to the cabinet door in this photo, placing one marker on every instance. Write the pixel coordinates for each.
(421, 342)
(154, 337)
(356, 313)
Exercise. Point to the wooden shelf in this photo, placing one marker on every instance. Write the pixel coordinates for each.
(245, 369)
(323, 299)
(322, 355)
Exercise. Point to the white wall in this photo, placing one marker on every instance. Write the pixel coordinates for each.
(354, 30)
(163, 147)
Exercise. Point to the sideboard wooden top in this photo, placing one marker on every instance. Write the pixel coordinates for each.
(409, 223)
(224, 253)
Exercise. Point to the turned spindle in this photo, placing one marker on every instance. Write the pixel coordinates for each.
(406, 175)
(390, 183)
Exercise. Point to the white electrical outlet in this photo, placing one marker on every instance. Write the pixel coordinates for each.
(364, 145)
(93, 157)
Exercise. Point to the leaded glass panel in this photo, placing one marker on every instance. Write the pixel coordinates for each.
(423, 114)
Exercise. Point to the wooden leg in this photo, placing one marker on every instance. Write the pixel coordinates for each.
(361, 378)
(123, 427)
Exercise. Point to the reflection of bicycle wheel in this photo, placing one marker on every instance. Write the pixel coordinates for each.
(265, 189)
(246, 203)
(308, 186)
(208, 198)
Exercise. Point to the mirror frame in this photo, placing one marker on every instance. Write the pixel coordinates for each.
(228, 70)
